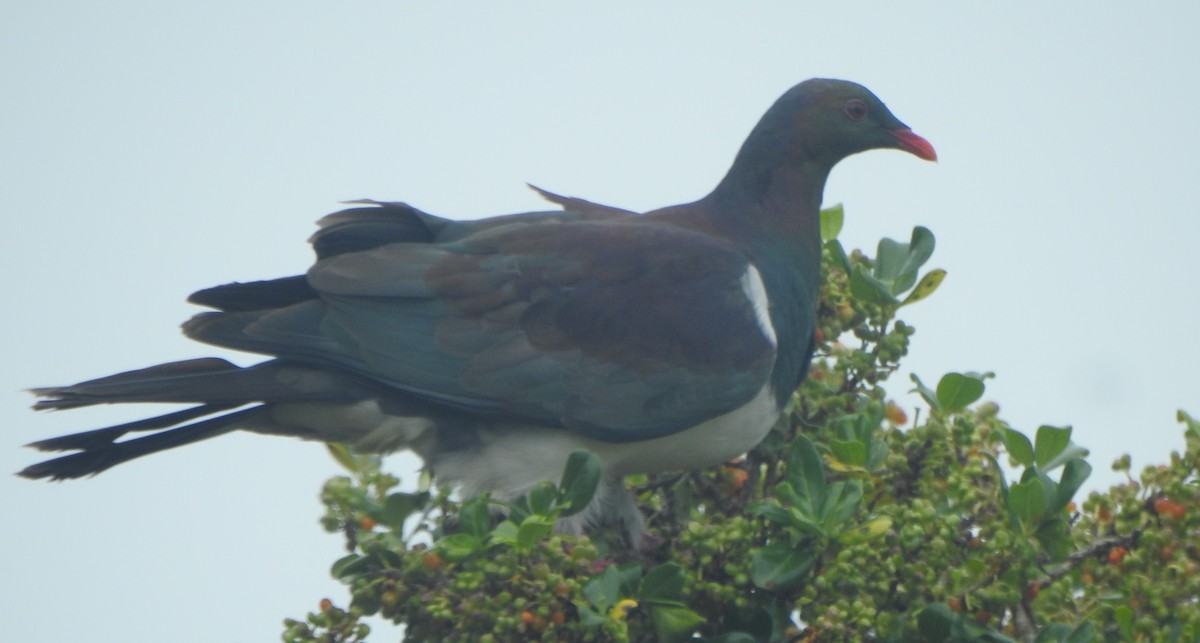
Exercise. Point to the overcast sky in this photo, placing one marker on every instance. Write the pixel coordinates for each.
(151, 149)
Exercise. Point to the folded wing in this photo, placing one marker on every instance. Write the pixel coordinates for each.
(614, 325)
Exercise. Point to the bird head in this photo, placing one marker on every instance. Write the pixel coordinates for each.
(825, 120)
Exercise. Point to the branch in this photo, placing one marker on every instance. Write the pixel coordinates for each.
(1096, 548)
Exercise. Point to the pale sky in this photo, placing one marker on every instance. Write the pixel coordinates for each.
(152, 149)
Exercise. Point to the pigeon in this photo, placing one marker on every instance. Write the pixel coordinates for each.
(669, 340)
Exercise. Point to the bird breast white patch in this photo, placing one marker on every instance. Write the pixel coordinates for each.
(756, 292)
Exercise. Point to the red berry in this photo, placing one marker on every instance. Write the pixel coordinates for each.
(432, 560)
(1167, 507)
(1116, 554)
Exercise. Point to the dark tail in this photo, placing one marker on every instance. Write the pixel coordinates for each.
(215, 386)
(98, 449)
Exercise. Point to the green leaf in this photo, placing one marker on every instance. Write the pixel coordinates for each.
(518, 509)
(936, 622)
(662, 583)
(786, 494)
(456, 547)
(505, 533)
(1056, 633)
(1075, 472)
(1049, 487)
(1072, 452)
(849, 452)
(399, 506)
(1123, 615)
(675, 623)
(1000, 474)
(343, 455)
(806, 475)
(1085, 633)
(956, 391)
(475, 518)
(755, 622)
(1055, 537)
(865, 532)
(925, 392)
(733, 637)
(896, 264)
(580, 479)
(588, 616)
(772, 511)
(877, 451)
(611, 585)
(532, 530)
(542, 497)
(1049, 443)
(831, 222)
(803, 522)
(928, 284)
(1026, 500)
(1019, 447)
(604, 590)
(868, 288)
(839, 255)
(780, 566)
(841, 503)
(350, 565)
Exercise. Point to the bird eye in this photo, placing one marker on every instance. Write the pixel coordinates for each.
(855, 109)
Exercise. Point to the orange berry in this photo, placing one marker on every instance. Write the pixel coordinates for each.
(1167, 507)
(558, 618)
(432, 560)
(1116, 554)
(326, 604)
(955, 604)
(894, 413)
(527, 617)
(820, 336)
(1071, 507)
(366, 522)
(737, 477)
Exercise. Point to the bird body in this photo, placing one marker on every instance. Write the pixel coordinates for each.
(669, 340)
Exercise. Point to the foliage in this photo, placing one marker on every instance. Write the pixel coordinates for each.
(848, 522)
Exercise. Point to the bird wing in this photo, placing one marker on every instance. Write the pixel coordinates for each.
(619, 327)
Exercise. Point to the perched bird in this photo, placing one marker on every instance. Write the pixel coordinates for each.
(670, 340)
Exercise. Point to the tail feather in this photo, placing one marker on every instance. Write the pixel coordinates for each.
(186, 381)
(94, 459)
(99, 438)
(209, 381)
(214, 387)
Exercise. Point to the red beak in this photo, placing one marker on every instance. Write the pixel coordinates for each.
(914, 144)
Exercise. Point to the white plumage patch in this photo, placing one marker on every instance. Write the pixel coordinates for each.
(756, 292)
(511, 459)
